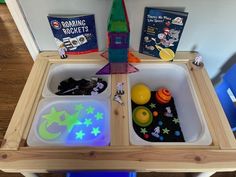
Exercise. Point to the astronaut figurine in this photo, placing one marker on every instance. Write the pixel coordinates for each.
(119, 87)
(62, 51)
(198, 61)
(156, 132)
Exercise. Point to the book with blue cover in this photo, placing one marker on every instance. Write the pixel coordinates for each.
(162, 30)
(76, 34)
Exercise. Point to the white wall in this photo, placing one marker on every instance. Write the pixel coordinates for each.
(210, 27)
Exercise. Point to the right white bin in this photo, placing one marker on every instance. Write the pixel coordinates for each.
(176, 78)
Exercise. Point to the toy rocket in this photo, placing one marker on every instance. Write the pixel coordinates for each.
(118, 41)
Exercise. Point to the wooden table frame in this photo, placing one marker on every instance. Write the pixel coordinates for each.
(16, 156)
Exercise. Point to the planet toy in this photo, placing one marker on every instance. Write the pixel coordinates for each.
(140, 94)
(142, 116)
(155, 113)
(163, 95)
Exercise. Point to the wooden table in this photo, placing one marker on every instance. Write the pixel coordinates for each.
(16, 156)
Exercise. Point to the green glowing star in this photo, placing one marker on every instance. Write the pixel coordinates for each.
(79, 107)
(70, 121)
(53, 117)
(95, 131)
(143, 130)
(80, 135)
(90, 110)
(152, 105)
(87, 122)
(166, 131)
(176, 120)
(99, 116)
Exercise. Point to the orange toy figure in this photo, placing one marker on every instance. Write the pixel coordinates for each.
(163, 95)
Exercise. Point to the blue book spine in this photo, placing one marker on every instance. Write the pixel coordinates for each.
(77, 35)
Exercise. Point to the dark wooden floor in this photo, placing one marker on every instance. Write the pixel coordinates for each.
(15, 65)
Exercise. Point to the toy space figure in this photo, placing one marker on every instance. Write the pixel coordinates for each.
(198, 61)
(120, 90)
(118, 99)
(156, 132)
(168, 113)
(62, 51)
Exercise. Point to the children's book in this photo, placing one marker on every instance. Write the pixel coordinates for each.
(76, 34)
(162, 30)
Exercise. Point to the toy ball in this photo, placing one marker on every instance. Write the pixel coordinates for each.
(155, 113)
(140, 94)
(163, 95)
(142, 116)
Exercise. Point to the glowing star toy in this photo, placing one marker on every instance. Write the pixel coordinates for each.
(166, 131)
(176, 120)
(71, 123)
(143, 131)
(90, 110)
(95, 131)
(79, 107)
(80, 135)
(87, 122)
(99, 116)
(53, 117)
(152, 105)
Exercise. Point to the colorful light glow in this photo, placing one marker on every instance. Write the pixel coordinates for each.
(74, 124)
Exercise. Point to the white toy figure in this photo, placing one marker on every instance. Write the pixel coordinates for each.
(62, 51)
(119, 87)
(168, 113)
(198, 61)
(156, 132)
(118, 99)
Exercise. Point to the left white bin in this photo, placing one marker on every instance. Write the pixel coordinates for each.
(75, 121)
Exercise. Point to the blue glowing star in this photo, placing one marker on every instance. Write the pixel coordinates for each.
(99, 116)
(80, 135)
(88, 122)
(90, 110)
(95, 131)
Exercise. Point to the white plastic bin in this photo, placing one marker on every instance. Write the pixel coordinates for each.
(61, 72)
(176, 78)
(71, 122)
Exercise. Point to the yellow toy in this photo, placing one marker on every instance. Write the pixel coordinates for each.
(142, 116)
(140, 94)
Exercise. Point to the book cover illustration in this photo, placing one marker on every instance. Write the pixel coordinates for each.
(74, 34)
(161, 32)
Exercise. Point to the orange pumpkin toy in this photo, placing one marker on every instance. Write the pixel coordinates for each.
(163, 95)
